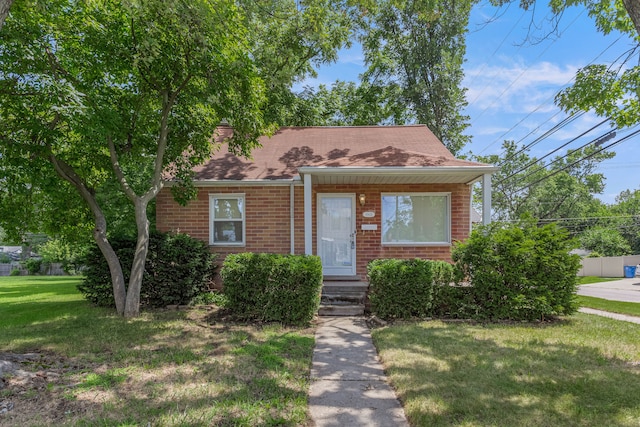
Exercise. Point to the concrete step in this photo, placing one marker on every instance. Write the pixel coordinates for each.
(341, 310)
(343, 299)
(342, 278)
(331, 287)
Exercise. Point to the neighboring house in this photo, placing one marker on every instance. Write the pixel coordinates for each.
(347, 194)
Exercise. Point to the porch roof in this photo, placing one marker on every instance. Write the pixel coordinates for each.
(397, 175)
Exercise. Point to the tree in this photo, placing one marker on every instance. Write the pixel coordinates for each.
(419, 46)
(110, 92)
(563, 187)
(346, 104)
(610, 92)
(605, 241)
(627, 207)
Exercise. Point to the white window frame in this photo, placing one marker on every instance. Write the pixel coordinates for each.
(212, 219)
(447, 240)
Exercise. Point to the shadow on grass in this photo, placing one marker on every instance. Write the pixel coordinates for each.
(455, 375)
(169, 368)
(263, 382)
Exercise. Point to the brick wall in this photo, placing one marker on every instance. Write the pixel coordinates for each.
(368, 243)
(267, 222)
(268, 219)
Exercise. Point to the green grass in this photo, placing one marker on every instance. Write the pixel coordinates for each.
(169, 368)
(33, 299)
(630, 308)
(583, 371)
(587, 280)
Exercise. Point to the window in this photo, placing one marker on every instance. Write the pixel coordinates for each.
(226, 213)
(415, 218)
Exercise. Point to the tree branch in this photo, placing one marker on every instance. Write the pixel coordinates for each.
(115, 164)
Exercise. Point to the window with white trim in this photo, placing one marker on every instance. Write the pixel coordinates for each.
(416, 218)
(226, 213)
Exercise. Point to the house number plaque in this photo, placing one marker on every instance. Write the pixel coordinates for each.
(368, 214)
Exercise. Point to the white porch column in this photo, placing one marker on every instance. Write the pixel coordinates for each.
(308, 217)
(486, 199)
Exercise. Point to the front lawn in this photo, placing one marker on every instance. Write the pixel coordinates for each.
(587, 280)
(583, 371)
(88, 366)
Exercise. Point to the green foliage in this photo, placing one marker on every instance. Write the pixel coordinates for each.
(406, 288)
(211, 297)
(272, 287)
(4, 258)
(545, 188)
(605, 241)
(15, 272)
(627, 207)
(58, 250)
(178, 269)
(33, 266)
(517, 272)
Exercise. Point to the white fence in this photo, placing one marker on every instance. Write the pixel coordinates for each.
(53, 269)
(611, 266)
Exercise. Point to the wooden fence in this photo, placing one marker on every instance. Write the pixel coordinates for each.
(53, 269)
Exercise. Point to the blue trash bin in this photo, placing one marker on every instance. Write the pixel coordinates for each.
(629, 271)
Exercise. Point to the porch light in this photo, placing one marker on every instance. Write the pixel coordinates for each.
(362, 199)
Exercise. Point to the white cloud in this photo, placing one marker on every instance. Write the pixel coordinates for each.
(516, 87)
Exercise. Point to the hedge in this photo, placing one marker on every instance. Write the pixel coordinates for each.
(406, 288)
(272, 287)
(178, 269)
(517, 272)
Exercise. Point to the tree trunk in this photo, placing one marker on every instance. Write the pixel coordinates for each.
(132, 308)
(5, 5)
(115, 268)
(633, 9)
(67, 173)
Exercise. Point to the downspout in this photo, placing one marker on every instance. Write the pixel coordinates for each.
(292, 217)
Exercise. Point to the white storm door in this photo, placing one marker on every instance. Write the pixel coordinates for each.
(336, 234)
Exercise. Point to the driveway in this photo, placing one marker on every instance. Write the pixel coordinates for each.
(617, 290)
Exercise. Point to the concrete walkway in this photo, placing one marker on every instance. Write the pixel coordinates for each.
(610, 315)
(348, 385)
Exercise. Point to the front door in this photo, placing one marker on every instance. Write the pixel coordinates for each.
(336, 234)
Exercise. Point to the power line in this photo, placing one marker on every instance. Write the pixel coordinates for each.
(596, 141)
(579, 160)
(524, 12)
(548, 133)
(547, 101)
(523, 72)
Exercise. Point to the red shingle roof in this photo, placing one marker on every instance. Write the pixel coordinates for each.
(349, 146)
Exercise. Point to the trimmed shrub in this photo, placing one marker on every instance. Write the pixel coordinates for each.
(178, 269)
(517, 272)
(272, 287)
(406, 288)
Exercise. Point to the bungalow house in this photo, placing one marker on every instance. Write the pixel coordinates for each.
(347, 194)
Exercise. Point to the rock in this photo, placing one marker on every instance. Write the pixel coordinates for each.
(5, 406)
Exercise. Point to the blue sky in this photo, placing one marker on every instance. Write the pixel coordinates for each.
(511, 83)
